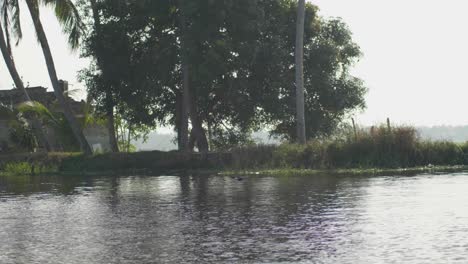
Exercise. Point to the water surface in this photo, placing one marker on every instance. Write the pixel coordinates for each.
(203, 219)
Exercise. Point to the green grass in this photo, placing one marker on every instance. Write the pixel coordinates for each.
(27, 168)
(32, 163)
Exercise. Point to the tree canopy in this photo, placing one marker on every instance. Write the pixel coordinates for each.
(241, 59)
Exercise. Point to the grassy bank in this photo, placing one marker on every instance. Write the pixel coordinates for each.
(33, 163)
(155, 162)
(381, 147)
(379, 150)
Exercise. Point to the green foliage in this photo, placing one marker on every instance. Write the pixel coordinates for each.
(56, 120)
(255, 156)
(42, 112)
(65, 11)
(125, 146)
(11, 20)
(380, 147)
(22, 135)
(19, 168)
(226, 139)
(69, 18)
(27, 168)
(33, 162)
(126, 133)
(240, 56)
(441, 153)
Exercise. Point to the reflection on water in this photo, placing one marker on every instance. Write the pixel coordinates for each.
(199, 219)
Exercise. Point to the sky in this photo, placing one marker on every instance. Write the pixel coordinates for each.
(29, 58)
(415, 54)
(414, 63)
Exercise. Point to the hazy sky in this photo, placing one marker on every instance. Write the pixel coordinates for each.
(30, 61)
(415, 57)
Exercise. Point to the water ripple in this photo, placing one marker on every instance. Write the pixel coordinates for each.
(323, 219)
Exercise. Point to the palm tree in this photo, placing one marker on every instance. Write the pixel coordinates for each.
(68, 16)
(7, 7)
(300, 115)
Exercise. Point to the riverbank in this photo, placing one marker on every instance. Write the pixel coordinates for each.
(151, 162)
(382, 150)
(175, 163)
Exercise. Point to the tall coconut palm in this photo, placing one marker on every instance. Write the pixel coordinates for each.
(300, 109)
(68, 16)
(7, 7)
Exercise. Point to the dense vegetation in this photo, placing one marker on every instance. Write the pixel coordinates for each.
(224, 69)
(240, 56)
(399, 147)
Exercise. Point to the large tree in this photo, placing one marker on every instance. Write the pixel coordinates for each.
(241, 56)
(127, 71)
(243, 62)
(68, 15)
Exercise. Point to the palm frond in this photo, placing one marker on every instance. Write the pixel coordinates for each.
(11, 20)
(69, 17)
(72, 92)
(15, 20)
(33, 107)
(4, 13)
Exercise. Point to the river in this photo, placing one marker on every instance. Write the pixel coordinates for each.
(215, 219)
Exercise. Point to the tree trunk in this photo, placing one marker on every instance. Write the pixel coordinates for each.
(300, 115)
(9, 61)
(184, 114)
(109, 99)
(210, 136)
(78, 133)
(111, 127)
(199, 133)
(129, 137)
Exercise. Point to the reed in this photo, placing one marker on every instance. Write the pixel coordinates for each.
(378, 147)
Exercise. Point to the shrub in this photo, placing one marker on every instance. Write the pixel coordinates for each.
(18, 168)
(377, 147)
(253, 156)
